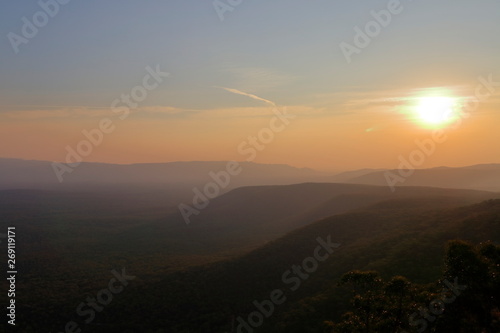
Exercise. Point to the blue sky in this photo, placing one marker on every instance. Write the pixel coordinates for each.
(93, 50)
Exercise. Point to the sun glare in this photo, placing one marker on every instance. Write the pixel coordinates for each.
(436, 110)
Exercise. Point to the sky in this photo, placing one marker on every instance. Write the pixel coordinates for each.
(305, 83)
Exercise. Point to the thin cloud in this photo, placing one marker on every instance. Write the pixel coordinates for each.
(238, 92)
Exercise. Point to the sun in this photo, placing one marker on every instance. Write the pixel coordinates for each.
(436, 110)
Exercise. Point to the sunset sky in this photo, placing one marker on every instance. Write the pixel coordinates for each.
(228, 79)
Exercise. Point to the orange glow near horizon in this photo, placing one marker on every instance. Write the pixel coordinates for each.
(365, 134)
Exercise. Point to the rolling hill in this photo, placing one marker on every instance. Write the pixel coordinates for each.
(24, 174)
(480, 177)
(398, 237)
(70, 239)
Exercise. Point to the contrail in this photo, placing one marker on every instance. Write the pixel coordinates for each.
(236, 91)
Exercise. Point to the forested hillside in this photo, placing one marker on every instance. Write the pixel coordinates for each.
(405, 237)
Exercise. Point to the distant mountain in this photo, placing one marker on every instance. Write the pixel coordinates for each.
(348, 175)
(182, 177)
(16, 173)
(480, 177)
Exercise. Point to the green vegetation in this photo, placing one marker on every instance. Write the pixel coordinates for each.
(464, 299)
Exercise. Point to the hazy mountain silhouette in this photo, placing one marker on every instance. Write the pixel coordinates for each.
(84, 233)
(182, 176)
(17, 173)
(482, 177)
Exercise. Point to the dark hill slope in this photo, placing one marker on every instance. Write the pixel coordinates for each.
(254, 215)
(398, 237)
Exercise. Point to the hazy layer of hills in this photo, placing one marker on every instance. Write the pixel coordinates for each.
(69, 239)
(400, 236)
(253, 215)
(202, 276)
(483, 177)
(182, 176)
(16, 173)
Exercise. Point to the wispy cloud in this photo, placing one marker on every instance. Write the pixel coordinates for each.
(238, 92)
